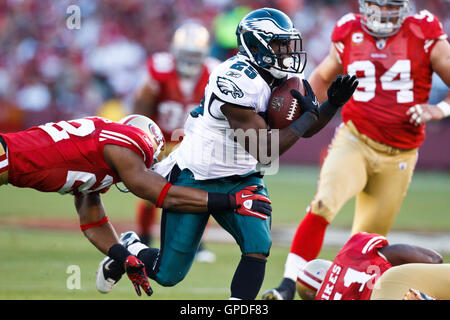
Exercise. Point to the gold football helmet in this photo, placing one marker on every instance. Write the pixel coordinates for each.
(383, 18)
(152, 130)
(190, 46)
(310, 278)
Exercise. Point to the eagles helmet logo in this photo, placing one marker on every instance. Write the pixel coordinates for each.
(267, 26)
(227, 86)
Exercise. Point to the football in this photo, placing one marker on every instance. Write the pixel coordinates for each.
(282, 108)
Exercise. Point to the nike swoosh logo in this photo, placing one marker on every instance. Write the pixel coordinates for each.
(315, 102)
(107, 265)
(246, 196)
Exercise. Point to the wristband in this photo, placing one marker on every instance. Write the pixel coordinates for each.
(328, 107)
(219, 202)
(86, 226)
(302, 124)
(162, 195)
(118, 253)
(445, 108)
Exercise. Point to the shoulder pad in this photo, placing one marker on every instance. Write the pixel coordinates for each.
(211, 63)
(368, 242)
(344, 26)
(160, 65)
(129, 137)
(425, 25)
(237, 82)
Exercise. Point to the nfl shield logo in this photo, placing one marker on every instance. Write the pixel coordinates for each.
(381, 44)
(277, 103)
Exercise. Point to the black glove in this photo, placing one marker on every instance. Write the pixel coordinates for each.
(341, 90)
(308, 103)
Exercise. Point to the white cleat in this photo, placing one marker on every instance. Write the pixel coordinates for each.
(108, 274)
(128, 238)
(109, 271)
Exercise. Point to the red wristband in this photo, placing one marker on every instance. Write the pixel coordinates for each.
(94, 224)
(162, 195)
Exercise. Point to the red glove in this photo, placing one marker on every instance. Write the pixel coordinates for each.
(135, 270)
(247, 203)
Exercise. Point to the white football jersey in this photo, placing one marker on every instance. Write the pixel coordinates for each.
(209, 148)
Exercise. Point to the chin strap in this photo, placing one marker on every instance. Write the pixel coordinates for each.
(277, 74)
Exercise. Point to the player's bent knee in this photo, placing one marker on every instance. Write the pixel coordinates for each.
(170, 276)
(258, 244)
(324, 209)
(169, 280)
(262, 248)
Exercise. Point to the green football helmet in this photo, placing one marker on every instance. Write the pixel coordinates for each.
(268, 38)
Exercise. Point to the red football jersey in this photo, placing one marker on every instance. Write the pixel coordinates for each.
(67, 156)
(355, 269)
(394, 74)
(173, 106)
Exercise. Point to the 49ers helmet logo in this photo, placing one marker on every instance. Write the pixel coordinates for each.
(357, 38)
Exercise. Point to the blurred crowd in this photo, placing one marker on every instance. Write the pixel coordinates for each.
(66, 59)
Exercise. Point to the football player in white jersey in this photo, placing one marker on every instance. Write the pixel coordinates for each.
(226, 141)
(175, 84)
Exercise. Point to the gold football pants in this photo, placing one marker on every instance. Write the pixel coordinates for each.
(169, 147)
(431, 279)
(376, 174)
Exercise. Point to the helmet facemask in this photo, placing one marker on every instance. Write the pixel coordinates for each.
(286, 55)
(383, 18)
(189, 64)
(278, 54)
(190, 46)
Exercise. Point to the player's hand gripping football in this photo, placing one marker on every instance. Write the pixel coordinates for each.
(341, 90)
(308, 102)
(135, 270)
(248, 203)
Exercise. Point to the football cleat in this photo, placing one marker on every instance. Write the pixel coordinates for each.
(128, 238)
(286, 291)
(108, 274)
(109, 271)
(274, 294)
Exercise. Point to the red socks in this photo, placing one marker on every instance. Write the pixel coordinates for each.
(146, 213)
(309, 236)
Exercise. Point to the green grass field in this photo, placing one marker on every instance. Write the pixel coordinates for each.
(34, 263)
